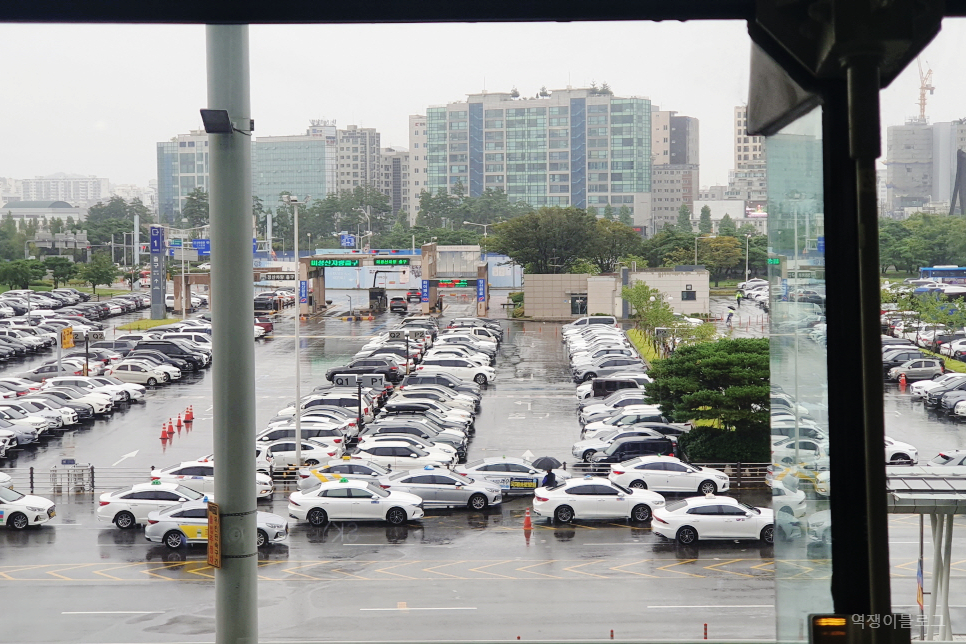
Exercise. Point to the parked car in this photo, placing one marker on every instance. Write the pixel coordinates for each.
(919, 369)
(713, 517)
(398, 305)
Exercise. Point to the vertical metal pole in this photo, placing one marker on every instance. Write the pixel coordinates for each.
(946, 629)
(136, 252)
(936, 522)
(922, 624)
(233, 374)
(747, 239)
(298, 345)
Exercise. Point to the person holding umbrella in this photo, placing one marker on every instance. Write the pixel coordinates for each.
(547, 463)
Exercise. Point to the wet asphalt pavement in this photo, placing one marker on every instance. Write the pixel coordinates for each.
(455, 575)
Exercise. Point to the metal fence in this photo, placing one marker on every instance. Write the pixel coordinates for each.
(742, 475)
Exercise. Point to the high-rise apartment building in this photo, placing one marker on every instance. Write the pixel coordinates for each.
(76, 189)
(747, 148)
(394, 178)
(674, 154)
(417, 163)
(359, 156)
(182, 167)
(303, 165)
(569, 147)
(749, 178)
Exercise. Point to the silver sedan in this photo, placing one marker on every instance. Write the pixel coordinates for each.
(439, 487)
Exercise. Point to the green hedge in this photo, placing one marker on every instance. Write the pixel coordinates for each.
(714, 445)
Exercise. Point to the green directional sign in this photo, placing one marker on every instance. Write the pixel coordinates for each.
(391, 261)
(324, 263)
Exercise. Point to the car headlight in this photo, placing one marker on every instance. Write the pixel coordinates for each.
(817, 524)
(721, 477)
(657, 503)
(35, 509)
(275, 526)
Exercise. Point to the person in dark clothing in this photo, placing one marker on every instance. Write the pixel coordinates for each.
(550, 479)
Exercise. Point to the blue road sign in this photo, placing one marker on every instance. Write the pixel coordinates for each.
(424, 291)
(820, 245)
(203, 246)
(303, 291)
(481, 290)
(157, 239)
(347, 241)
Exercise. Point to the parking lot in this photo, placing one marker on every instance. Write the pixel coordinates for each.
(456, 574)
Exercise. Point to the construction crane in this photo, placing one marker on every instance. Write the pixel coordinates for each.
(925, 83)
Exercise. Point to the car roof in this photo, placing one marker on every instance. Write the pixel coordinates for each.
(346, 483)
(153, 485)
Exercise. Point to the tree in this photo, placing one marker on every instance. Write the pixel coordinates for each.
(100, 270)
(624, 216)
(684, 219)
(16, 274)
(726, 227)
(648, 307)
(61, 269)
(609, 212)
(196, 208)
(746, 229)
(669, 242)
(705, 225)
(582, 266)
(547, 240)
(611, 241)
(592, 211)
(726, 382)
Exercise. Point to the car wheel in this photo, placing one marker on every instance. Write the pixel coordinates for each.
(127, 396)
(480, 379)
(311, 462)
(564, 514)
(638, 485)
(396, 516)
(687, 535)
(898, 459)
(590, 376)
(174, 540)
(707, 487)
(261, 538)
(478, 502)
(124, 520)
(589, 454)
(768, 534)
(317, 517)
(152, 382)
(641, 513)
(937, 376)
(18, 521)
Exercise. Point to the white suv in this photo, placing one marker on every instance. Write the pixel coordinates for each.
(459, 367)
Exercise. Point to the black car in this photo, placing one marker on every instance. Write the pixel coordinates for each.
(441, 378)
(398, 305)
(934, 396)
(159, 358)
(123, 347)
(413, 429)
(194, 359)
(899, 356)
(378, 366)
(624, 449)
(83, 410)
(418, 411)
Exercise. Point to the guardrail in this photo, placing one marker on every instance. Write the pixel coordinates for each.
(742, 475)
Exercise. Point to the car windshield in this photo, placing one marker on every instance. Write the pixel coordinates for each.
(169, 509)
(188, 493)
(621, 488)
(605, 436)
(749, 508)
(674, 506)
(8, 496)
(378, 491)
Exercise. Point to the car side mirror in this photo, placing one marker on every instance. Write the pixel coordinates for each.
(749, 514)
(182, 500)
(413, 455)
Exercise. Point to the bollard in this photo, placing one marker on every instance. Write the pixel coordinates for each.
(612, 633)
(31, 480)
(705, 631)
(92, 478)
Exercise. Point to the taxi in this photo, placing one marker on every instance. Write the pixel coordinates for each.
(353, 500)
(18, 510)
(129, 507)
(187, 523)
(515, 475)
(338, 469)
(439, 487)
(200, 477)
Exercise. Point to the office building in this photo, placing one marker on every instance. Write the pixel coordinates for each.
(672, 187)
(73, 188)
(674, 155)
(359, 156)
(182, 167)
(417, 163)
(303, 165)
(570, 147)
(393, 179)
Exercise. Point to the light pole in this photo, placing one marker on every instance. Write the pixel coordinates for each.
(294, 202)
(485, 226)
(747, 239)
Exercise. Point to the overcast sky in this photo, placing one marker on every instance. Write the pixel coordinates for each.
(94, 100)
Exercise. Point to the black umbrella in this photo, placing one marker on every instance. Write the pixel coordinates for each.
(731, 308)
(546, 463)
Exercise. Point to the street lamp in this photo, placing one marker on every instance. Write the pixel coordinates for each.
(485, 226)
(295, 203)
(747, 238)
(696, 246)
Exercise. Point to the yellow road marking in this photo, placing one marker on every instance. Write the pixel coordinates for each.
(533, 572)
(680, 563)
(388, 568)
(725, 563)
(150, 571)
(581, 572)
(642, 574)
(349, 574)
(487, 572)
(10, 569)
(452, 563)
(102, 573)
(292, 569)
(53, 573)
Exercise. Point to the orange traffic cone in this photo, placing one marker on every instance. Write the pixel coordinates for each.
(189, 414)
(178, 424)
(902, 382)
(170, 428)
(527, 523)
(164, 433)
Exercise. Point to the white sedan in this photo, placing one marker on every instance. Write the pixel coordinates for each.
(139, 372)
(398, 454)
(313, 452)
(18, 510)
(188, 523)
(594, 498)
(921, 388)
(514, 475)
(130, 507)
(668, 474)
(200, 477)
(338, 469)
(713, 517)
(353, 500)
(787, 498)
(899, 453)
(6, 480)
